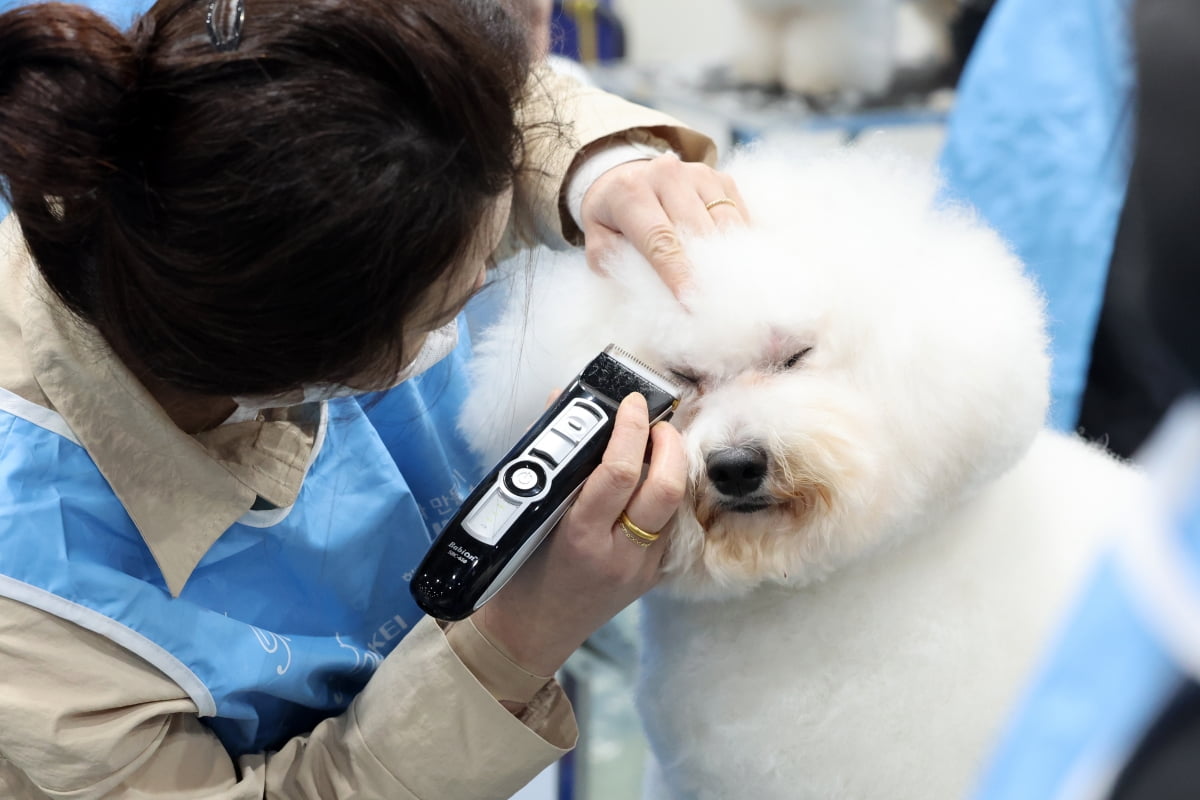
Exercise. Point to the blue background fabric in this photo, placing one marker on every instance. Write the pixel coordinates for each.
(417, 423)
(1103, 684)
(1128, 646)
(1039, 143)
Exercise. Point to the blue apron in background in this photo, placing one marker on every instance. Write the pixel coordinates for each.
(1128, 648)
(291, 610)
(121, 12)
(417, 423)
(1039, 141)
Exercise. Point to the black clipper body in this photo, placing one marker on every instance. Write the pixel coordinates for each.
(521, 499)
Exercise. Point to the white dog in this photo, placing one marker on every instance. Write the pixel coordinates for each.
(879, 538)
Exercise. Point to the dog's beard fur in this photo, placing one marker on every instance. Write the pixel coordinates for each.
(818, 466)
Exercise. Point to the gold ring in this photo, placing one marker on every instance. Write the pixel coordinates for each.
(631, 537)
(722, 201)
(635, 534)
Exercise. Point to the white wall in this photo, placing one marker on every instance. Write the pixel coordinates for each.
(679, 31)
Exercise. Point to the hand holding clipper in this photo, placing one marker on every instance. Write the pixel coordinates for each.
(520, 500)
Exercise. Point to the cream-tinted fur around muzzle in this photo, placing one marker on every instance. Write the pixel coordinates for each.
(878, 536)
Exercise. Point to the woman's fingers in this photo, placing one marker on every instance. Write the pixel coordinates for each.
(634, 212)
(724, 202)
(588, 570)
(649, 203)
(617, 486)
(607, 491)
(656, 499)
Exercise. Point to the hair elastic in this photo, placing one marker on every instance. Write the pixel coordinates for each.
(224, 20)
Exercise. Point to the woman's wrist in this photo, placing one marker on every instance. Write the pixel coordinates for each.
(522, 639)
(599, 159)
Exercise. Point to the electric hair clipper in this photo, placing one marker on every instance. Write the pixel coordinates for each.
(521, 499)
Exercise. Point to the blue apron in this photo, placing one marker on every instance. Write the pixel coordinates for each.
(283, 620)
(1130, 644)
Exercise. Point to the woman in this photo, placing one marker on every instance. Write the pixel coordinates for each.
(223, 223)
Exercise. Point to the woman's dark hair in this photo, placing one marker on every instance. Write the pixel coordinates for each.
(244, 221)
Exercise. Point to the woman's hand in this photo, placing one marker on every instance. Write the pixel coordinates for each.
(587, 570)
(649, 202)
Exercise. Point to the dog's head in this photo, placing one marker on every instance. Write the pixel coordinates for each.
(856, 362)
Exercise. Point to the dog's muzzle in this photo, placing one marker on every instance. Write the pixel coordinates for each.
(738, 473)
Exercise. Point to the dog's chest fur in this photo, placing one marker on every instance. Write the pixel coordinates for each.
(925, 385)
(891, 678)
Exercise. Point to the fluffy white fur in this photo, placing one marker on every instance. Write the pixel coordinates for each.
(857, 626)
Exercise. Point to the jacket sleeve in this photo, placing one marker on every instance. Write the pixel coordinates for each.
(82, 718)
(562, 119)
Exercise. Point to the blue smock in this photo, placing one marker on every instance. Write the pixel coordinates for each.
(1039, 142)
(1131, 643)
(288, 614)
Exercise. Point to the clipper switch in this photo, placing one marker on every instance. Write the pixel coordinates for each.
(554, 447)
(525, 479)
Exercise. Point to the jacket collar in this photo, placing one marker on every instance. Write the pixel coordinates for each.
(182, 492)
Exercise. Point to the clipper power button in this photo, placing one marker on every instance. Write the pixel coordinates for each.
(525, 478)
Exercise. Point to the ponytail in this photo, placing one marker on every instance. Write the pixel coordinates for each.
(65, 74)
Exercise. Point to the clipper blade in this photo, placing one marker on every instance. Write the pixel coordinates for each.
(644, 370)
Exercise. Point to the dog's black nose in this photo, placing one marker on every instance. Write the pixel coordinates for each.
(737, 471)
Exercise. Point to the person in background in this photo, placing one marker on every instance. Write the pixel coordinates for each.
(1039, 142)
(227, 223)
(1114, 711)
(1042, 145)
(1135, 375)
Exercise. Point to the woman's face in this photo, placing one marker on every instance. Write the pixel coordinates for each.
(540, 12)
(447, 298)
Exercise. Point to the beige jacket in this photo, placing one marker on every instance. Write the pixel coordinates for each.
(80, 717)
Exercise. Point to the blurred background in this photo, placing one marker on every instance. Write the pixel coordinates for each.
(743, 70)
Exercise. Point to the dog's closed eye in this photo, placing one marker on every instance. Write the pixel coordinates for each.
(690, 378)
(796, 358)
